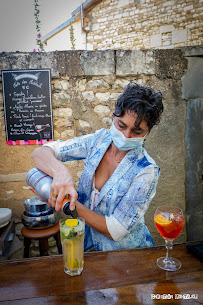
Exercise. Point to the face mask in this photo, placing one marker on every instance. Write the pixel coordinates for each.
(123, 143)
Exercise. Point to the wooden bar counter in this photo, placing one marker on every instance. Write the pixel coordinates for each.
(114, 277)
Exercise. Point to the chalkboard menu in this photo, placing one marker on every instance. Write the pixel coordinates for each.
(27, 106)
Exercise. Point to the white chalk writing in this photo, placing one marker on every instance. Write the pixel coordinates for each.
(28, 113)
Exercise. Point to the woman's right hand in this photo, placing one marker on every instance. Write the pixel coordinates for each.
(63, 185)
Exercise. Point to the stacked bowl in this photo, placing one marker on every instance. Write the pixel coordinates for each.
(5, 216)
(38, 214)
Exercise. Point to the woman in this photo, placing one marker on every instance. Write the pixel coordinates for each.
(119, 178)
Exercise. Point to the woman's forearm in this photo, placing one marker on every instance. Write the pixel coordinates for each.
(63, 183)
(46, 161)
(94, 220)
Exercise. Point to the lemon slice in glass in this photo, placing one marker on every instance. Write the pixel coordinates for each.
(71, 222)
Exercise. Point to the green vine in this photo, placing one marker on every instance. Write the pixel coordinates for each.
(37, 23)
(72, 38)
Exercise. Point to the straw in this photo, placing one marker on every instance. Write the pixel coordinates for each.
(71, 242)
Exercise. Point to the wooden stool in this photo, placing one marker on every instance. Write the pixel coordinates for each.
(42, 235)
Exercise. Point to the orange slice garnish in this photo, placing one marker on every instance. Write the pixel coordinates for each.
(162, 220)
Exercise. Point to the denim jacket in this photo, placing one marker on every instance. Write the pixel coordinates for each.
(126, 195)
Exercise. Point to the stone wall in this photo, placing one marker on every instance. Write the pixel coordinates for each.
(145, 24)
(85, 86)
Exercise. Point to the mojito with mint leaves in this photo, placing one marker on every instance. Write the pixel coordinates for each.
(72, 233)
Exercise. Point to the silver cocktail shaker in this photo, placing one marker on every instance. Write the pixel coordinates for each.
(41, 183)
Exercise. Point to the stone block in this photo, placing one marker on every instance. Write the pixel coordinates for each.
(13, 61)
(65, 85)
(166, 28)
(100, 109)
(166, 39)
(95, 27)
(61, 85)
(69, 63)
(25, 187)
(193, 51)
(192, 81)
(179, 36)
(170, 64)
(10, 192)
(57, 86)
(101, 20)
(102, 97)
(140, 2)
(189, 7)
(81, 84)
(84, 124)
(98, 63)
(155, 41)
(117, 45)
(62, 124)
(143, 11)
(43, 60)
(120, 84)
(107, 121)
(134, 62)
(122, 3)
(98, 84)
(67, 134)
(168, 3)
(126, 14)
(118, 16)
(60, 99)
(63, 112)
(88, 96)
(114, 96)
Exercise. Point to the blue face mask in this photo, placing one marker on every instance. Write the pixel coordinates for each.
(123, 143)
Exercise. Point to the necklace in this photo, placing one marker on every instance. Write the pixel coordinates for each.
(114, 156)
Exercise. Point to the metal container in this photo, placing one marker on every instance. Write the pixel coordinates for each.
(35, 207)
(40, 182)
(39, 221)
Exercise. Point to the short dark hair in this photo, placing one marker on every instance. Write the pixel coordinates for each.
(143, 101)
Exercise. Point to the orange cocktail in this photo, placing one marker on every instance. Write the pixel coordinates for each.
(169, 225)
(169, 221)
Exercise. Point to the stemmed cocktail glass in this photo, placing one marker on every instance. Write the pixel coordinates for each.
(169, 222)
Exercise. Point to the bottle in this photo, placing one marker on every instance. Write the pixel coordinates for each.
(41, 183)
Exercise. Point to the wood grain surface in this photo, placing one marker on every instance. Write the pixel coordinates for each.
(112, 277)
